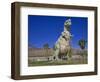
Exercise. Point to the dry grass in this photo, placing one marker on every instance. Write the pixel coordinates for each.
(74, 61)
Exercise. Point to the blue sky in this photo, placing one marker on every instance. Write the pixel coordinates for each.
(47, 29)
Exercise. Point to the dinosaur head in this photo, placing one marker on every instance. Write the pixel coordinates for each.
(67, 24)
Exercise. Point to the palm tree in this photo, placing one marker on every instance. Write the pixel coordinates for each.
(82, 43)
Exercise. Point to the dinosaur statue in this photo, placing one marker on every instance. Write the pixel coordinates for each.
(62, 47)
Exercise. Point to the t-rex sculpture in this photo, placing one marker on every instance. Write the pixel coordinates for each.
(62, 47)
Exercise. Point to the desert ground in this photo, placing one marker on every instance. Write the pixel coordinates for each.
(77, 58)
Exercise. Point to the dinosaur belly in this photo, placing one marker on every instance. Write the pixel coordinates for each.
(63, 46)
(63, 49)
